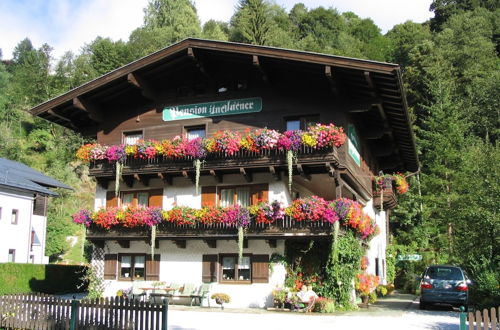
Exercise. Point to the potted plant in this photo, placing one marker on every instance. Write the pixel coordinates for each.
(365, 285)
(221, 299)
(279, 297)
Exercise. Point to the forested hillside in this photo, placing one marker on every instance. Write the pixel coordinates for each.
(452, 75)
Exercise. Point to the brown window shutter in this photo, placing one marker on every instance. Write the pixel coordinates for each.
(153, 268)
(260, 268)
(110, 266)
(40, 205)
(209, 270)
(208, 196)
(260, 193)
(156, 198)
(111, 199)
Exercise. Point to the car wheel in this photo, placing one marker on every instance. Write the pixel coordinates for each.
(422, 305)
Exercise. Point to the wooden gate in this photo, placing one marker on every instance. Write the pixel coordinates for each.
(39, 311)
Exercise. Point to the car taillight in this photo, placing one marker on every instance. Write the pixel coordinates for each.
(462, 287)
(425, 285)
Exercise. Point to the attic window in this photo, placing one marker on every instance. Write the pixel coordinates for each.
(131, 138)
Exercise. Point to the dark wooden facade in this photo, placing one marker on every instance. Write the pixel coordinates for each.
(345, 91)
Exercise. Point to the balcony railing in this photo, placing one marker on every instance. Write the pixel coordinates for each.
(385, 198)
(287, 227)
(218, 161)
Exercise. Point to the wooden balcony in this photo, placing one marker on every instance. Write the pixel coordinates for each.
(309, 161)
(286, 228)
(386, 198)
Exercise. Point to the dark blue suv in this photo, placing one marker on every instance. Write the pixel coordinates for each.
(444, 285)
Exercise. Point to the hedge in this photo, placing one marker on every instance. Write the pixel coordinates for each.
(24, 278)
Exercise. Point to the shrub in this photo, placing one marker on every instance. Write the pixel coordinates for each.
(25, 278)
(381, 291)
(324, 305)
(372, 297)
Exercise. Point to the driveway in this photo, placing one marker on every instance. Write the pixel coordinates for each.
(398, 312)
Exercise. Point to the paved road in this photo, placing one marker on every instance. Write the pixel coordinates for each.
(398, 312)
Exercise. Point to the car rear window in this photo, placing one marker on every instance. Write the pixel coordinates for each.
(444, 273)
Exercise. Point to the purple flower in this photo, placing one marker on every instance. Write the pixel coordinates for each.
(116, 153)
(155, 217)
(83, 217)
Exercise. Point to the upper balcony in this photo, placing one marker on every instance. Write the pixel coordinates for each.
(308, 161)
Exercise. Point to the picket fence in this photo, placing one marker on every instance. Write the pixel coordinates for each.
(480, 320)
(39, 311)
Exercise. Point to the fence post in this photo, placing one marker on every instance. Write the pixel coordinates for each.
(74, 314)
(463, 318)
(164, 312)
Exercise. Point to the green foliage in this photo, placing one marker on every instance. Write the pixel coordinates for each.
(25, 278)
(324, 305)
(215, 30)
(340, 272)
(252, 22)
(93, 282)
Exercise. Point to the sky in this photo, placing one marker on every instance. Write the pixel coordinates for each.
(69, 24)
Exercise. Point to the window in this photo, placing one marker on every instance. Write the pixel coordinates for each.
(132, 266)
(302, 122)
(130, 138)
(233, 269)
(14, 217)
(12, 256)
(135, 198)
(194, 132)
(235, 196)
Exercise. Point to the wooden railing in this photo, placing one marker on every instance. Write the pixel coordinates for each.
(306, 155)
(39, 311)
(385, 198)
(285, 227)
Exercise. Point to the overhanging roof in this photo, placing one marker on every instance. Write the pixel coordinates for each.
(20, 176)
(371, 81)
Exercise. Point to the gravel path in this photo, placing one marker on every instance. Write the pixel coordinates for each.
(398, 312)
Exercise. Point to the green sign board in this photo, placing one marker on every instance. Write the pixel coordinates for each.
(410, 257)
(353, 145)
(212, 109)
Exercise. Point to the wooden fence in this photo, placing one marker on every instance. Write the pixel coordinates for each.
(485, 320)
(39, 311)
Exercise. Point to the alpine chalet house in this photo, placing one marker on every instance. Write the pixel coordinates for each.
(225, 153)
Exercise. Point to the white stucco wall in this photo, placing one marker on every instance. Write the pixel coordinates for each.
(182, 192)
(183, 266)
(15, 236)
(378, 244)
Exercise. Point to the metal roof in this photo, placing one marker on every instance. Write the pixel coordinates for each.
(18, 175)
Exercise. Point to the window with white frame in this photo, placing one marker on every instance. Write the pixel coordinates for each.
(131, 138)
(194, 132)
(235, 269)
(235, 196)
(132, 266)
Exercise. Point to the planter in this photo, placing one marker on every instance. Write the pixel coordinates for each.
(364, 302)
